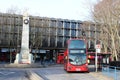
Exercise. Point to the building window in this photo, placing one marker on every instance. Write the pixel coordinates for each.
(66, 32)
(40, 22)
(92, 45)
(83, 33)
(4, 28)
(79, 26)
(52, 41)
(45, 23)
(73, 25)
(44, 41)
(16, 29)
(59, 42)
(92, 33)
(9, 20)
(1, 20)
(52, 23)
(73, 33)
(60, 24)
(60, 32)
(65, 41)
(79, 33)
(67, 25)
(18, 21)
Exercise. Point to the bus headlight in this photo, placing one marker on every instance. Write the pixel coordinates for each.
(88, 61)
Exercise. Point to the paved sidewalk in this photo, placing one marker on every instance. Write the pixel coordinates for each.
(100, 76)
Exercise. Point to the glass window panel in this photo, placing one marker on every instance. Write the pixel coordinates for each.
(60, 32)
(8, 20)
(16, 29)
(47, 31)
(52, 23)
(1, 20)
(66, 24)
(52, 31)
(0, 28)
(7, 28)
(79, 33)
(92, 28)
(18, 21)
(52, 41)
(65, 41)
(32, 29)
(66, 32)
(59, 42)
(20, 29)
(6, 36)
(45, 23)
(60, 24)
(73, 25)
(44, 41)
(73, 33)
(92, 33)
(12, 29)
(79, 26)
(4, 20)
(40, 22)
(32, 23)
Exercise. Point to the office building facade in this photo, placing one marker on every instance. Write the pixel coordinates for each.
(45, 33)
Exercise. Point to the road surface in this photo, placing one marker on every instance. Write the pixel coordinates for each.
(58, 73)
(13, 74)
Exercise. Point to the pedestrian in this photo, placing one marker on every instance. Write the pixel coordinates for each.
(42, 59)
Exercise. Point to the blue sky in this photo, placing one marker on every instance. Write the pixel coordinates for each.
(66, 9)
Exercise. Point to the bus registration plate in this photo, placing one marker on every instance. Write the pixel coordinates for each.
(78, 69)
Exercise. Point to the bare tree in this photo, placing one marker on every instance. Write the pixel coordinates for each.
(39, 33)
(107, 16)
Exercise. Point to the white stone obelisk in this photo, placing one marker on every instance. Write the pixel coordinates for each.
(25, 57)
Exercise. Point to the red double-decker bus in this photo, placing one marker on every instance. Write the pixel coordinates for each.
(75, 56)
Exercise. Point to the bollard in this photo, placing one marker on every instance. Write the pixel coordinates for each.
(115, 74)
(108, 71)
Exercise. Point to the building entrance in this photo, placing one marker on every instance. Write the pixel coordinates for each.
(44, 56)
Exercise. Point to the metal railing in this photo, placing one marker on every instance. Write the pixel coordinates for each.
(111, 71)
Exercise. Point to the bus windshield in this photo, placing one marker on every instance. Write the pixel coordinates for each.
(77, 59)
(76, 44)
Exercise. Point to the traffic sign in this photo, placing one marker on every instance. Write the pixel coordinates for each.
(98, 50)
(98, 46)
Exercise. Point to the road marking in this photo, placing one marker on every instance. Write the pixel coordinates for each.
(6, 73)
